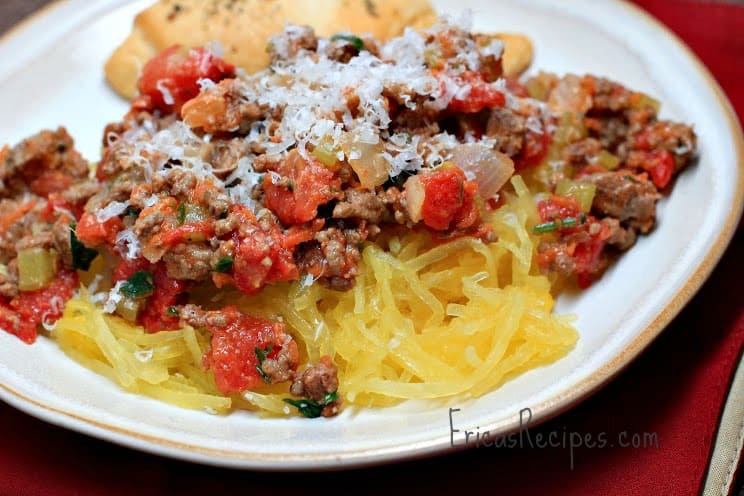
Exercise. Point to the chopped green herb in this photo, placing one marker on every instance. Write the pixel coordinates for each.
(261, 356)
(139, 285)
(630, 178)
(290, 185)
(545, 227)
(224, 264)
(82, 256)
(131, 211)
(568, 222)
(172, 311)
(311, 408)
(355, 41)
(263, 375)
(565, 223)
(181, 215)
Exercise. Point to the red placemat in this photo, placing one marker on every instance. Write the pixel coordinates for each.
(669, 400)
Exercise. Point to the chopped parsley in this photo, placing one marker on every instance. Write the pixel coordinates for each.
(261, 356)
(82, 256)
(172, 311)
(355, 41)
(224, 264)
(181, 214)
(132, 212)
(139, 285)
(554, 225)
(312, 408)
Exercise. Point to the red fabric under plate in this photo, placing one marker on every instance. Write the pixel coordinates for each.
(674, 390)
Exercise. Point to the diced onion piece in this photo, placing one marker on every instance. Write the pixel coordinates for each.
(367, 161)
(36, 268)
(581, 191)
(569, 95)
(415, 194)
(489, 168)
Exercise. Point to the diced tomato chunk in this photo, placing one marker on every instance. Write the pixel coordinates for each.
(94, 233)
(482, 95)
(23, 314)
(260, 256)
(660, 164)
(298, 187)
(533, 150)
(558, 207)
(167, 293)
(128, 267)
(590, 260)
(193, 231)
(56, 203)
(233, 357)
(171, 78)
(449, 200)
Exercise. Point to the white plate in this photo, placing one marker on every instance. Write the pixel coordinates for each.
(52, 74)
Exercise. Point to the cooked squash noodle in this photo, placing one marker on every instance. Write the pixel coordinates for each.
(424, 321)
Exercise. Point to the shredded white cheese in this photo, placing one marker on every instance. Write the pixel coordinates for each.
(113, 298)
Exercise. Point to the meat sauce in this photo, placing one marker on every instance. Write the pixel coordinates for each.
(217, 180)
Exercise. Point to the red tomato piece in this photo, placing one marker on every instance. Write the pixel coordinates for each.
(533, 150)
(482, 95)
(167, 292)
(193, 231)
(55, 202)
(23, 314)
(589, 258)
(93, 233)
(298, 187)
(449, 200)
(128, 267)
(233, 357)
(260, 256)
(171, 78)
(660, 164)
(557, 207)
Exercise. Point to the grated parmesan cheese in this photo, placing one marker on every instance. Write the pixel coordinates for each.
(113, 209)
(113, 298)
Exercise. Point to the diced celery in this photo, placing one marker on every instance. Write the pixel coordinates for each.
(129, 308)
(570, 128)
(36, 268)
(608, 160)
(647, 101)
(326, 154)
(581, 191)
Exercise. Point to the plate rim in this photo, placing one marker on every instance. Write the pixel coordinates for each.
(546, 410)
